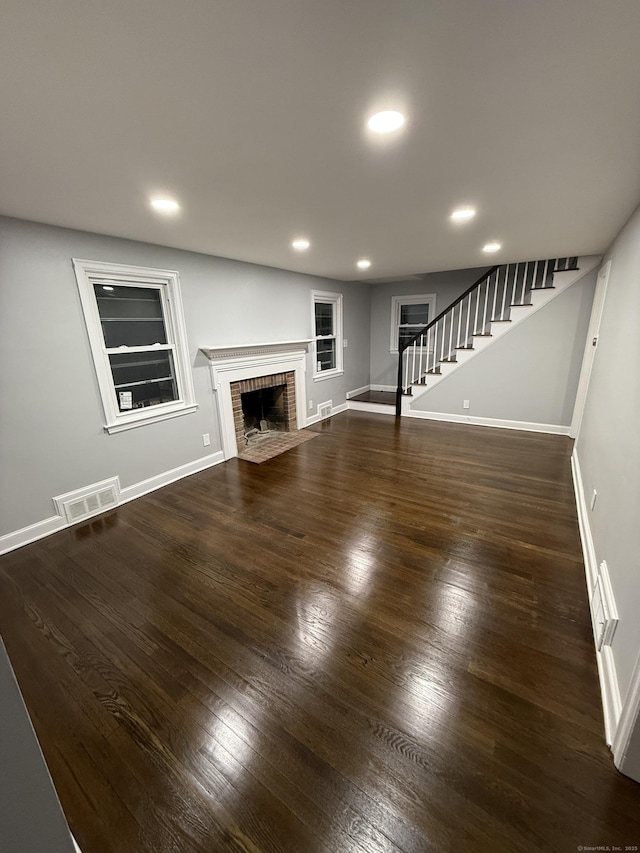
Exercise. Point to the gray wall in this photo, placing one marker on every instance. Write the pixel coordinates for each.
(446, 285)
(608, 447)
(51, 421)
(530, 374)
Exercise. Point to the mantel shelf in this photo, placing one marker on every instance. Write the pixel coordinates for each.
(248, 350)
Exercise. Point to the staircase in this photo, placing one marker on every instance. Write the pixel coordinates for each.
(500, 299)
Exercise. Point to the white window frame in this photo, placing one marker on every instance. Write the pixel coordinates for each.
(396, 306)
(334, 299)
(167, 283)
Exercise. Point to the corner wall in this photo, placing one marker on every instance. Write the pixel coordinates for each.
(52, 439)
(608, 447)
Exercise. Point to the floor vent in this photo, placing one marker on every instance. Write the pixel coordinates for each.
(83, 503)
(324, 409)
(603, 609)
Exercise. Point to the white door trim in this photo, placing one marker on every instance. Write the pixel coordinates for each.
(590, 347)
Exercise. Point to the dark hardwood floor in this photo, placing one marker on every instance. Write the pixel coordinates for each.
(378, 641)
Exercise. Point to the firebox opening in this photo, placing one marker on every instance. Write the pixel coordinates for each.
(264, 411)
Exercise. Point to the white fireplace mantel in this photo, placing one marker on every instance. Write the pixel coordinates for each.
(248, 361)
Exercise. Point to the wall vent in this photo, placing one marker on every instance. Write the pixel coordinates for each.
(83, 503)
(324, 409)
(603, 609)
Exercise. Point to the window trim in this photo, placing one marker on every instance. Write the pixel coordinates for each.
(396, 306)
(167, 282)
(336, 300)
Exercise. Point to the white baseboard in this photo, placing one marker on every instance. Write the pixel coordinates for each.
(157, 482)
(375, 408)
(18, 538)
(553, 429)
(357, 391)
(611, 700)
(629, 719)
(391, 388)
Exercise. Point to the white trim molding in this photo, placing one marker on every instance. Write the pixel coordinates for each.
(236, 363)
(611, 701)
(166, 284)
(26, 535)
(552, 429)
(396, 309)
(357, 391)
(152, 483)
(629, 719)
(31, 533)
(336, 301)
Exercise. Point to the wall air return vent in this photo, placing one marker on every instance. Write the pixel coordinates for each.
(88, 501)
(604, 612)
(324, 409)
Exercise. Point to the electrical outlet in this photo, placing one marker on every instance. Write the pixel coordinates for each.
(205, 439)
(310, 405)
(594, 498)
(465, 404)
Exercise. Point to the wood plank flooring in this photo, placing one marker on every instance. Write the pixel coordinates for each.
(378, 641)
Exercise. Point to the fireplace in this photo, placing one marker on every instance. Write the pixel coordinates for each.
(262, 404)
(236, 370)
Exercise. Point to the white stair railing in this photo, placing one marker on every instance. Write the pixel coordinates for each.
(489, 300)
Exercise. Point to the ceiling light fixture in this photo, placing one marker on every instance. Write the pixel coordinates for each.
(386, 121)
(301, 244)
(107, 287)
(165, 205)
(363, 264)
(463, 214)
(492, 247)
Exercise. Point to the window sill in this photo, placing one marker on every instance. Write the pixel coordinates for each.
(151, 419)
(328, 374)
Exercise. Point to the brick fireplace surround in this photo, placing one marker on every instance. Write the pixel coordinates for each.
(248, 365)
(258, 384)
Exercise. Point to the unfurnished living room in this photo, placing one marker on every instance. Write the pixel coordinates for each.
(319, 419)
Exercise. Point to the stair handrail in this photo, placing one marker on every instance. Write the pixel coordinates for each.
(450, 307)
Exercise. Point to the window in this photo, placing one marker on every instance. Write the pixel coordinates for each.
(327, 334)
(409, 314)
(138, 341)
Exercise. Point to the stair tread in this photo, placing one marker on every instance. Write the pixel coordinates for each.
(483, 334)
(502, 321)
(553, 287)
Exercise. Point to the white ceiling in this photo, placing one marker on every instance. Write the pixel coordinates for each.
(251, 113)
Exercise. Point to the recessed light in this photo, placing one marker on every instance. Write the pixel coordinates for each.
(492, 247)
(386, 121)
(464, 214)
(301, 244)
(363, 264)
(165, 205)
